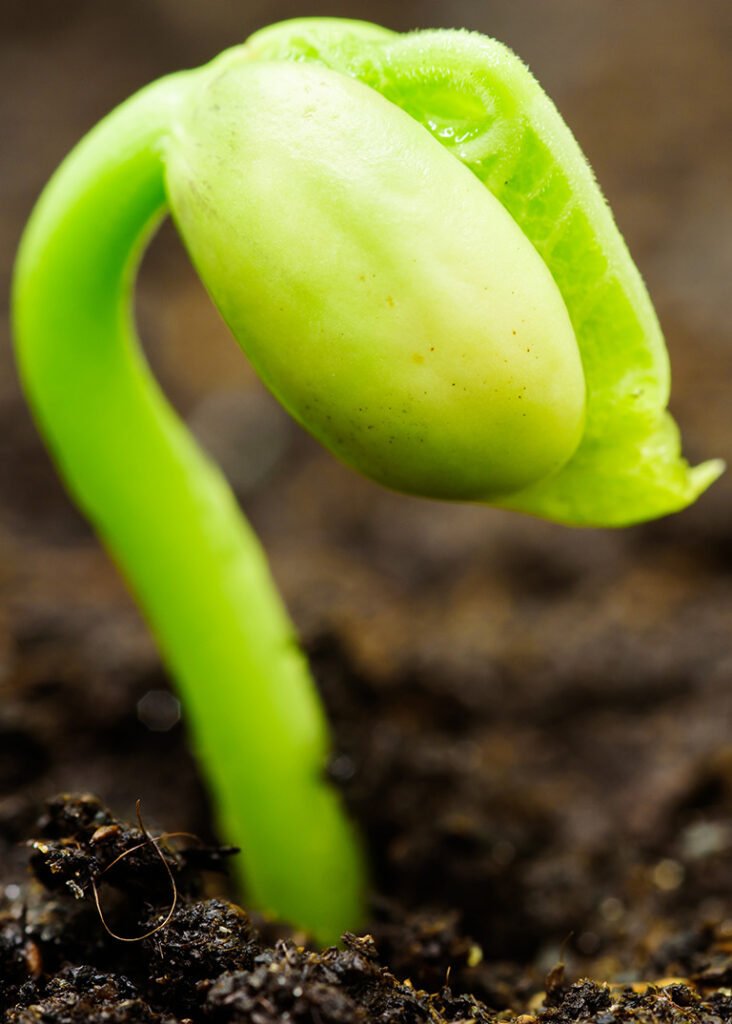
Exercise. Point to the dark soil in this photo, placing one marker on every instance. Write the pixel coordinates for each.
(199, 958)
(532, 725)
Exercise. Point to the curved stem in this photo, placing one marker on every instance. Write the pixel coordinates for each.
(171, 521)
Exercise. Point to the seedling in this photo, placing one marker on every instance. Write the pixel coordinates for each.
(405, 239)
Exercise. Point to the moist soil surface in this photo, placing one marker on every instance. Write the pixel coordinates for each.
(531, 725)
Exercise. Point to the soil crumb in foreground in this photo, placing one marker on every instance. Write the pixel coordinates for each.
(202, 958)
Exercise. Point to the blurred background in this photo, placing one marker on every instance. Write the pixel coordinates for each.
(560, 701)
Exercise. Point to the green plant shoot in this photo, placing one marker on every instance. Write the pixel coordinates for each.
(408, 244)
